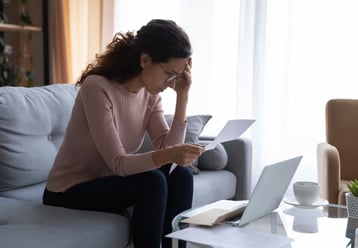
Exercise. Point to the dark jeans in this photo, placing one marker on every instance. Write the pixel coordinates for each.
(157, 197)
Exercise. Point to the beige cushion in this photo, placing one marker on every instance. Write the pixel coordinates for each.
(342, 132)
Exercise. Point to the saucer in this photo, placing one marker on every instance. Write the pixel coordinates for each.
(306, 213)
(292, 201)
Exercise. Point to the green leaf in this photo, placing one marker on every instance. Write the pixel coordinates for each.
(353, 187)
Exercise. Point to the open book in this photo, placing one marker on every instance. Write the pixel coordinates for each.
(215, 213)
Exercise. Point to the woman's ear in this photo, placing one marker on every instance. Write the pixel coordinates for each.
(144, 60)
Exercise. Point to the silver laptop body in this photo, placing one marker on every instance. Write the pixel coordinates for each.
(269, 190)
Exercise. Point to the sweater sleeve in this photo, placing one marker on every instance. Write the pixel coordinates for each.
(158, 130)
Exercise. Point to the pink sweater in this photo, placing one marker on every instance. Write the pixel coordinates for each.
(106, 129)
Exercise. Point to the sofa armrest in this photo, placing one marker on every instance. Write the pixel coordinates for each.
(240, 163)
(239, 153)
(329, 173)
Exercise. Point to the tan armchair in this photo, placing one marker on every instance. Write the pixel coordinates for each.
(338, 157)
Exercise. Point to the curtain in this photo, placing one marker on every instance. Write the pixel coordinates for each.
(250, 74)
(307, 55)
(107, 27)
(277, 61)
(78, 30)
(59, 42)
(86, 24)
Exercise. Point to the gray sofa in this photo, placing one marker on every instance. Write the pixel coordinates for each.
(32, 125)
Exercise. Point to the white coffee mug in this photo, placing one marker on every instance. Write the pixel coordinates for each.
(305, 192)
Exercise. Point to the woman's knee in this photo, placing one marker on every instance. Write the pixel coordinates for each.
(155, 181)
(182, 174)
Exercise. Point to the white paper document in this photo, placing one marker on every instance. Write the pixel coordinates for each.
(226, 236)
(233, 129)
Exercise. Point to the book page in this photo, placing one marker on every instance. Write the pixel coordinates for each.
(214, 216)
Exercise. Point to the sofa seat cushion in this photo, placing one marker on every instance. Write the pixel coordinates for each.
(210, 186)
(24, 224)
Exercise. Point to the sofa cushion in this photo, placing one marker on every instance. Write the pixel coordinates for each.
(32, 125)
(24, 224)
(32, 193)
(210, 186)
(195, 125)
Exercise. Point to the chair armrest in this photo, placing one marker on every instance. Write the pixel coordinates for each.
(240, 163)
(329, 173)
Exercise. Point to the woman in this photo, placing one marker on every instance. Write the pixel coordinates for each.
(97, 167)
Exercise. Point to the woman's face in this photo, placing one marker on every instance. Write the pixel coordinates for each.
(156, 77)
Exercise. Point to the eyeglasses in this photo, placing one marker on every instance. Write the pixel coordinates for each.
(172, 78)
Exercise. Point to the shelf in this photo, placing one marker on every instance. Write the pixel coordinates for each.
(18, 28)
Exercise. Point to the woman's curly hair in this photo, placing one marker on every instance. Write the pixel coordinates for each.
(160, 39)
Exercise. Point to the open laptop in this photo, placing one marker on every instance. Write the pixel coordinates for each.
(266, 197)
(269, 190)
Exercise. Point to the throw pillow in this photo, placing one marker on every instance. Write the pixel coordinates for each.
(215, 159)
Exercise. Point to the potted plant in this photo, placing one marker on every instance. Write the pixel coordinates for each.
(352, 199)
